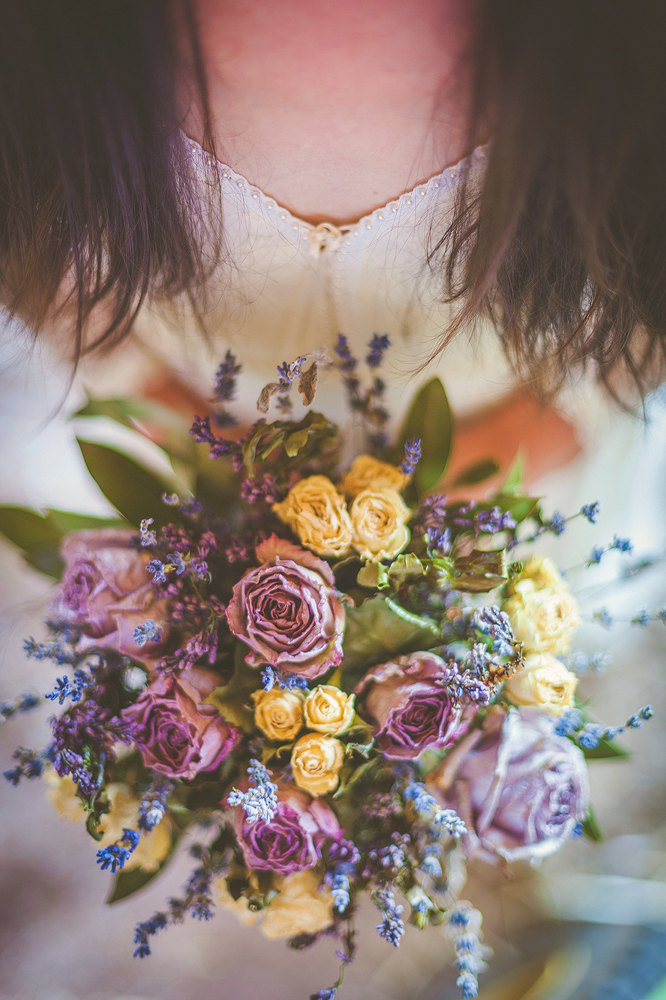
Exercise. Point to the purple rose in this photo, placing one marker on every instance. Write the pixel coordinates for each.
(288, 611)
(106, 592)
(520, 789)
(293, 839)
(407, 702)
(176, 734)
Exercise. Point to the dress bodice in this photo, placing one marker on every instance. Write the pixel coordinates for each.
(286, 287)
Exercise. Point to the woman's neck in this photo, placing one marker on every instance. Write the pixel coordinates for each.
(334, 108)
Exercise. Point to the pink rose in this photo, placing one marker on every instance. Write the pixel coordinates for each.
(520, 788)
(407, 702)
(294, 838)
(177, 734)
(288, 611)
(106, 592)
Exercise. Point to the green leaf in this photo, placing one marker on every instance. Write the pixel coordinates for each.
(480, 571)
(476, 473)
(133, 490)
(519, 507)
(373, 575)
(126, 883)
(39, 534)
(430, 419)
(380, 629)
(407, 566)
(591, 827)
(606, 750)
(296, 441)
(513, 482)
(232, 700)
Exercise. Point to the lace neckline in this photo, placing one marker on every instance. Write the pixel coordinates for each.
(445, 179)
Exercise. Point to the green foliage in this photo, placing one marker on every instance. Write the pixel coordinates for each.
(379, 630)
(39, 534)
(430, 419)
(476, 473)
(133, 490)
(127, 882)
(232, 700)
(605, 750)
(479, 571)
(298, 439)
(591, 827)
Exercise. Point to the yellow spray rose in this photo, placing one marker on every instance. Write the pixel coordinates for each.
(279, 712)
(543, 573)
(302, 906)
(543, 613)
(379, 519)
(238, 906)
(369, 473)
(153, 846)
(543, 682)
(327, 709)
(315, 763)
(317, 514)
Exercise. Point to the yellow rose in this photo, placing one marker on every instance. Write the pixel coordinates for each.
(543, 682)
(315, 763)
(238, 906)
(317, 514)
(279, 713)
(379, 519)
(542, 572)
(302, 906)
(328, 710)
(369, 473)
(543, 613)
(153, 846)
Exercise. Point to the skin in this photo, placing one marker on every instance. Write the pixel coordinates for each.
(308, 102)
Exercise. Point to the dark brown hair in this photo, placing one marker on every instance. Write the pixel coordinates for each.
(565, 245)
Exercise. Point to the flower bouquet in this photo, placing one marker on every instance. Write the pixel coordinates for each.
(331, 678)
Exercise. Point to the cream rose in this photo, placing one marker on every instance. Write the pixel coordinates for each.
(327, 709)
(302, 906)
(239, 906)
(543, 682)
(315, 763)
(542, 572)
(543, 613)
(154, 844)
(279, 713)
(378, 518)
(317, 514)
(369, 473)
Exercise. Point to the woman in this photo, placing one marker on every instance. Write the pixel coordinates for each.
(116, 228)
(335, 110)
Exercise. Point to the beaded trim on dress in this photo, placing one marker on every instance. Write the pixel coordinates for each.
(445, 180)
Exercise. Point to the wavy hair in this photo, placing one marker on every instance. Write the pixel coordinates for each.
(564, 246)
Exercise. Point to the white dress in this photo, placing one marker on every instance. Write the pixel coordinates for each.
(288, 288)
